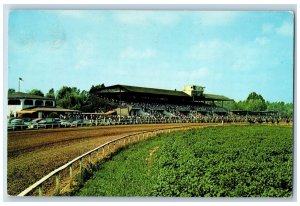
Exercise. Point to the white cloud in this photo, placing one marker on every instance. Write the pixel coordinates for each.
(286, 29)
(213, 50)
(84, 53)
(233, 55)
(199, 73)
(217, 18)
(262, 41)
(267, 28)
(146, 17)
(132, 53)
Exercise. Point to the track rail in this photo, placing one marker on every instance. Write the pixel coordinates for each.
(66, 181)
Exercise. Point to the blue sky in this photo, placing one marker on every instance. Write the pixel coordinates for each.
(230, 53)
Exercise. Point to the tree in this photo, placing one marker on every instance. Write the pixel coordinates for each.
(255, 102)
(51, 94)
(71, 97)
(36, 92)
(285, 109)
(11, 91)
(95, 88)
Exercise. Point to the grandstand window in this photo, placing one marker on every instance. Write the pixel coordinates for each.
(28, 102)
(39, 103)
(14, 102)
(49, 103)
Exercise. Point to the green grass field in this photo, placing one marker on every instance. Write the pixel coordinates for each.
(235, 161)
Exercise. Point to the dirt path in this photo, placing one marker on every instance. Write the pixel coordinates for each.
(33, 154)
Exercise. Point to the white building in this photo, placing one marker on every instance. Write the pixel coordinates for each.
(19, 101)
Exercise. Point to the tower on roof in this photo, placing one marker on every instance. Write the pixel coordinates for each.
(194, 90)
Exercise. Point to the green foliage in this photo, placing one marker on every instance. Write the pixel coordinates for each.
(255, 102)
(96, 104)
(239, 161)
(11, 91)
(71, 97)
(254, 96)
(53, 115)
(36, 92)
(51, 94)
(93, 89)
(286, 109)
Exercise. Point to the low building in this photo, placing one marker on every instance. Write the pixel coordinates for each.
(22, 104)
(19, 101)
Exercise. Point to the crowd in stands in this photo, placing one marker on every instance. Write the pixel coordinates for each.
(176, 109)
(190, 118)
(172, 113)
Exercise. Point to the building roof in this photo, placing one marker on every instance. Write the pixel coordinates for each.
(121, 88)
(22, 95)
(216, 97)
(148, 90)
(47, 109)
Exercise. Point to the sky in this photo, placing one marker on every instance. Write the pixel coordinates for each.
(229, 53)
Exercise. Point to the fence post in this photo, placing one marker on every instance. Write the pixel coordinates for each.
(71, 175)
(90, 158)
(41, 190)
(108, 147)
(57, 184)
(71, 171)
(80, 167)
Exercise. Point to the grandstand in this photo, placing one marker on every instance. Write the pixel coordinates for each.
(143, 101)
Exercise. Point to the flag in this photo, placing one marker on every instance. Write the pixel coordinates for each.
(21, 79)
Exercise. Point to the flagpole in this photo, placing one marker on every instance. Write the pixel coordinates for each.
(20, 79)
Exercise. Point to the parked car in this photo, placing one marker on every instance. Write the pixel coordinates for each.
(35, 123)
(16, 123)
(77, 122)
(49, 122)
(65, 123)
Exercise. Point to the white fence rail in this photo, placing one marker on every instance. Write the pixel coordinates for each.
(76, 166)
(89, 123)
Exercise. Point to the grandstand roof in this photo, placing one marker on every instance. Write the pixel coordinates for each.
(144, 90)
(22, 95)
(154, 91)
(47, 109)
(216, 97)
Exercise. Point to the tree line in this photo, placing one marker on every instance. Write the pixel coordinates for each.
(87, 101)
(255, 102)
(74, 98)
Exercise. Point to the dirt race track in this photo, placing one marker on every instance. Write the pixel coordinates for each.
(33, 154)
